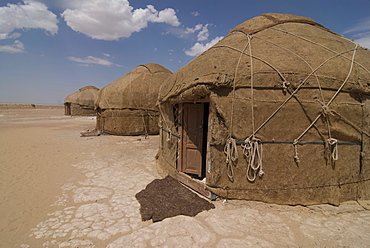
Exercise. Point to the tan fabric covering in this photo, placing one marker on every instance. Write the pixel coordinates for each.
(127, 106)
(248, 78)
(82, 101)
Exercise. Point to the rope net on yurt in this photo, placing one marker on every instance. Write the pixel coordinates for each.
(276, 80)
(252, 146)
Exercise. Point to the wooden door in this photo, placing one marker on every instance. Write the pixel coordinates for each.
(192, 139)
(67, 107)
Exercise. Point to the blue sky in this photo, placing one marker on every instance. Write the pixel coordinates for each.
(51, 48)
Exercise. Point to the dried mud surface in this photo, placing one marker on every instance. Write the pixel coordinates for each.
(58, 189)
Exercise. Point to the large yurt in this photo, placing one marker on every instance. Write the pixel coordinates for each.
(277, 111)
(127, 106)
(81, 102)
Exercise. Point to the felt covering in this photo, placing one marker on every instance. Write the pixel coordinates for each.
(81, 102)
(293, 85)
(127, 106)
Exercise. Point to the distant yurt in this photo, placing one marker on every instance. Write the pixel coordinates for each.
(127, 106)
(277, 111)
(81, 102)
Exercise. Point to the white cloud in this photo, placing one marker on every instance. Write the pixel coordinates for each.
(193, 30)
(196, 13)
(89, 60)
(17, 47)
(203, 33)
(4, 36)
(364, 40)
(198, 48)
(114, 19)
(28, 15)
(364, 25)
(360, 33)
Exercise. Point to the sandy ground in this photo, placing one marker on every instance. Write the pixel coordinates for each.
(58, 189)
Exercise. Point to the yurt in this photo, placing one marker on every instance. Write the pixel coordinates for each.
(277, 111)
(127, 106)
(81, 102)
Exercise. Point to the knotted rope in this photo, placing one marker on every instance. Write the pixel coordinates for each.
(253, 152)
(230, 148)
(231, 157)
(296, 157)
(333, 145)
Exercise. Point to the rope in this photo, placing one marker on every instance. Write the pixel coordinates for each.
(253, 154)
(296, 155)
(148, 92)
(295, 91)
(231, 152)
(250, 147)
(358, 129)
(325, 110)
(285, 84)
(300, 85)
(345, 81)
(234, 87)
(164, 119)
(252, 95)
(301, 143)
(326, 107)
(327, 48)
(165, 122)
(253, 56)
(333, 145)
(230, 148)
(146, 131)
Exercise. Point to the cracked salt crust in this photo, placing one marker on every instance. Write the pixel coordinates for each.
(101, 211)
(107, 206)
(86, 194)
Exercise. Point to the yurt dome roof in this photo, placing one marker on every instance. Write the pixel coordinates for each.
(137, 89)
(85, 96)
(273, 50)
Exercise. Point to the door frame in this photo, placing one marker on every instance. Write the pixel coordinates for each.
(205, 143)
(67, 108)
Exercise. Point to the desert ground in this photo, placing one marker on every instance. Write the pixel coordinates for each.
(58, 189)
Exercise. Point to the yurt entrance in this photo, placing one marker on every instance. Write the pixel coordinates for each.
(193, 143)
(67, 108)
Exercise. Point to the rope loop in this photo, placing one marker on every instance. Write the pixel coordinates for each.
(286, 85)
(253, 153)
(333, 144)
(231, 152)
